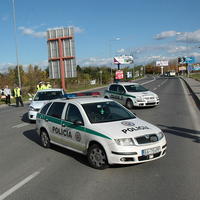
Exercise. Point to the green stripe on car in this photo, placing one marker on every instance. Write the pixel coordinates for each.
(71, 125)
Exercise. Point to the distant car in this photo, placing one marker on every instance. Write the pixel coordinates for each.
(41, 98)
(131, 94)
(102, 129)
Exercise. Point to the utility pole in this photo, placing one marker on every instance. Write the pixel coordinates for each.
(16, 44)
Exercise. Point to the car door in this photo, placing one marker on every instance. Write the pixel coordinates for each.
(113, 93)
(121, 94)
(53, 121)
(73, 128)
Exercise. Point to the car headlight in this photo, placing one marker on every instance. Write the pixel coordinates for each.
(157, 97)
(139, 99)
(125, 142)
(160, 135)
(31, 108)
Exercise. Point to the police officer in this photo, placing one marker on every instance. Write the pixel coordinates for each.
(43, 86)
(48, 85)
(18, 96)
(38, 86)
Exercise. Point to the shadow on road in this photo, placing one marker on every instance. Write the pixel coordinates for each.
(34, 137)
(182, 132)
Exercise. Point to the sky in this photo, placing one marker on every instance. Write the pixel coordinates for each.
(149, 30)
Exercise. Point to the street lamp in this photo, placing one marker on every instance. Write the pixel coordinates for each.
(16, 43)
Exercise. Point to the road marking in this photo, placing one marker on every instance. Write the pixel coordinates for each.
(148, 81)
(20, 125)
(160, 85)
(19, 185)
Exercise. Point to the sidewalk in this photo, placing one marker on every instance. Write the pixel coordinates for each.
(194, 88)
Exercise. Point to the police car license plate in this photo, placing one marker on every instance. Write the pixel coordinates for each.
(150, 151)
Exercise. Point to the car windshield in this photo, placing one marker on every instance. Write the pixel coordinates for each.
(106, 112)
(41, 96)
(135, 88)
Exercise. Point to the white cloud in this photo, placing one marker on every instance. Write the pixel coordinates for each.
(4, 67)
(94, 61)
(32, 32)
(78, 29)
(121, 51)
(190, 37)
(165, 34)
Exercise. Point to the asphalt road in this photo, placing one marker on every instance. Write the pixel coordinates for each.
(30, 172)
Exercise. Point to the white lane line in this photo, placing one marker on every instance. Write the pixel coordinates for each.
(20, 125)
(148, 81)
(19, 185)
(160, 85)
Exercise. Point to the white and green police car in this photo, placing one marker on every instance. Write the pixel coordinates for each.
(41, 98)
(131, 94)
(102, 129)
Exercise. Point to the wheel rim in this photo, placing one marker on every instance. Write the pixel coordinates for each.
(98, 157)
(45, 139)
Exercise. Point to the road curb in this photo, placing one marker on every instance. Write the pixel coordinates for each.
(194, 96)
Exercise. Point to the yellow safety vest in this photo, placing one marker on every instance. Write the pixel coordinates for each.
(48, 86)
(17, 92)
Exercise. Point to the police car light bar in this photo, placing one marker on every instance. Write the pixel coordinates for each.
(81, 94)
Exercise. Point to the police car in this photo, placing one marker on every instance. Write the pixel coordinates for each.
(41, 98)
(102, 129)
(131, 94)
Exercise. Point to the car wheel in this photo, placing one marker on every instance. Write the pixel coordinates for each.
(97, 157)
(45, 139)
(129, 104)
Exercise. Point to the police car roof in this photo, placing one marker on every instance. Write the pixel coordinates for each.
(51, 90)
(84, 100)
(125, 83)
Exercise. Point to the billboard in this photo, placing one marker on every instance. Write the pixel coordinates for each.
(119, 74)
(162, 63)
(123, 60)
(196, 67)
(190, 60)
(61, 53)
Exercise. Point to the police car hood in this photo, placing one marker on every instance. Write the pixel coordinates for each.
(144, 94)
(38, 104)
(126, 128)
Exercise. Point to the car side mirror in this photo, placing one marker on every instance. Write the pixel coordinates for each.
(78, 123)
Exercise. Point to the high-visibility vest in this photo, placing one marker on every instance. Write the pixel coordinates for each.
(17, 92)
(38, 87)
(48, 86)
(43, 87)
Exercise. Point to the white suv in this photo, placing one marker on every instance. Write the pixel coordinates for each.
(131, 94)
(41, 98)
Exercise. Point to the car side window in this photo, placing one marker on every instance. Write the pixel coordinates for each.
(45, 108)
(113, 88)
(56, 109)
(73, 114)
(120, 89)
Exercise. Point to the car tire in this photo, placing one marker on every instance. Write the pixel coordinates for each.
(129, 104)
(45, 139)
(97, 157)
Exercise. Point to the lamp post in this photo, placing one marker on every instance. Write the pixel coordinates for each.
(16, 43)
